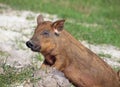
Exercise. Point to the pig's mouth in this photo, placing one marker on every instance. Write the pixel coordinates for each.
(36, 49)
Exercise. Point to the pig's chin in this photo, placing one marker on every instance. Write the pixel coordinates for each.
(37, 49)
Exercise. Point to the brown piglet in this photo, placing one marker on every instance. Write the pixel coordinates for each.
(62, 51)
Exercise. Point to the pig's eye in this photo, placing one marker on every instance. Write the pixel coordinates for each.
(46, 33)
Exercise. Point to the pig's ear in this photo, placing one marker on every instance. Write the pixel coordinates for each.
(58, 26)
(40, 19)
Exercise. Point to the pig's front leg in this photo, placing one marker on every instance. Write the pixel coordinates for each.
(44, 65)
(59, 63)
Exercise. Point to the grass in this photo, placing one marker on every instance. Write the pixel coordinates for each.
(12, 76)
(104, 55)
(30, 17)
(116, 68)
(39, 57)
(3, 57)
(3, 54)
(104, 13)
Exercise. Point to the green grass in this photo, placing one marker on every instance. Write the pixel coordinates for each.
(4, 54)
(104, 55)
(104, 13)
(12, 76)
(116, 68)
(39, 57)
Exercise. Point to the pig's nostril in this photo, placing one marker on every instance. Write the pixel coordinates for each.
(33, 46)
(29, 44)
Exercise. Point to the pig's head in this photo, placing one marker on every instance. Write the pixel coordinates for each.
(45, 35)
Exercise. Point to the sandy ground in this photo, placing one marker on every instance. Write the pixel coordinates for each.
(16, 27)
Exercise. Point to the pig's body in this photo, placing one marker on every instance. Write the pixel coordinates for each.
(80, 65)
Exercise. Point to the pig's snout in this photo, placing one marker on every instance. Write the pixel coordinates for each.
(29, 44)
(33, 46)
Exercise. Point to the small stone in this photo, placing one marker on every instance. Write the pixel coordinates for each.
(1, 70)
(49, 82)
(27, 83)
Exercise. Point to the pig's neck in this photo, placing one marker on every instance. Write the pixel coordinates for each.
(75, 50)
